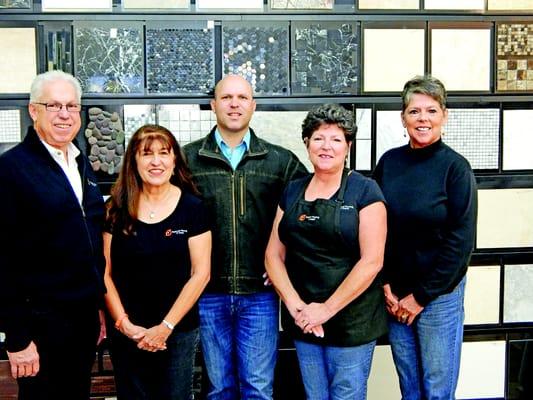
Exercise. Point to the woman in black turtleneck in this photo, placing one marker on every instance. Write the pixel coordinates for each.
(432, 205)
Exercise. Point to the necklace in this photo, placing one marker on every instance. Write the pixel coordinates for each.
(153, 210)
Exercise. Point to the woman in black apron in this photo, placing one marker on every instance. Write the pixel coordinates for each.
(325, 251)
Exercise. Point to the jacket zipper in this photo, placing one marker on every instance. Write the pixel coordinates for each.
(234, 223)
(241, 185)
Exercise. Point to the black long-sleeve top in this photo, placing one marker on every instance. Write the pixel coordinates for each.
(432, 210)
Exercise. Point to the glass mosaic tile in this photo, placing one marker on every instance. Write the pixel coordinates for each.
(229, 5)
(454, 4)
(505, 218)
(514, 56)
(260, 53)
(363, 139)
(510, 5)
(186, 121)
(109, 57)
(482, 370)
(392, 57)
(517, 139)
(76, 5)
(18, 50)
(135, 116)
(301, 4)
(474, 134)
(518, 296)
(482, 295)
(155, 4)
(460, 58)
(180, 60)
(324, 58)
(106, 140)
(15, 4)
(388, 4)
(58, 47)
(10, 126)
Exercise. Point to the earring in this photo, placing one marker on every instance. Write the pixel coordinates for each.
(404, 132)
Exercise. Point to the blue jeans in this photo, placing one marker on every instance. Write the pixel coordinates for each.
(427, 354)
(334, 373)
(239, 336)
(167, 374)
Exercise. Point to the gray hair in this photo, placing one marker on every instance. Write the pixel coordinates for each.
(426, 85)
(329, 114)
(41, 80)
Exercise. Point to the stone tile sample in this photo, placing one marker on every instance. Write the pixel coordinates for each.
(19, 53)
(514, 57)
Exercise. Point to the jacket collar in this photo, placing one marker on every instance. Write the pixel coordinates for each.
(210, 147)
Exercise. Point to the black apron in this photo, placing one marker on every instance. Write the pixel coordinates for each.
(322, 247)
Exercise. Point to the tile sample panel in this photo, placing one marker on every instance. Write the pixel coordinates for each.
(514, 56)
(180, 59)
(454, 4)
(510, 5)
(505, 218)
(58, 47)
(460, 58)
(229, 5)
(383, 380)
(474, 134)
(518, 296)
(15, 4)
(76, 5)
(301, 4)
(108, 57)
(283, 128)
(482, 370)
(390, 132)
(520, 371)
(155, 4)
(517, 139)
(324, 58)
(10, 126)
(392, 57)
(18, 50)
(363, 139)
(260, 53)
(388, 4)
(186, 121)
(135, 116)
(482, 295)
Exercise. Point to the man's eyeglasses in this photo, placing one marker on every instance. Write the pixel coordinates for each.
(56, 107)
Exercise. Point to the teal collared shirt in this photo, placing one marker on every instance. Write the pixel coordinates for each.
(234, 155)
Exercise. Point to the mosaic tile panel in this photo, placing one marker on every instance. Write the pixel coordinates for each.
(76, 5)
(243, 5)
(301, 4)
(324, 58)
(259, 53)
(109, 58)
(155, 4)
(105, 138)
(180, 60)
(505, 218)
(517, 139)
(388, 4)
(510, 5)
(460, 58)
(514, 56)
(474, 134)
(10, 126)
(186, 121)
(482, 295)
(518, 296)
(135, 116)
(363, 139)
(454, 4)
(15, 4)
(18, 50)
(391, 57)
(58, 48)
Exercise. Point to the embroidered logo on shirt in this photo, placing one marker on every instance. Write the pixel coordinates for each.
(91, 183)
(170, 232)
(305, 217)
(347, 207)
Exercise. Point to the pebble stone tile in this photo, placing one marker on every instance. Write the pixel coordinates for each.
(180, 60)
(15, 4)
(301, 4)
(260, 54)
(515, 56)
(109, 59)
(105, 137)
(324, 58)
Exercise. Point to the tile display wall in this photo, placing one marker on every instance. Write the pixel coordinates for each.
(514, 56)
(15, 4)
(19, 53)
(517, 139)
(324, 58)
(10, 126)
(108, 57)
(260, 53)
(518, 296)
(180, 59)
(301, 4)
